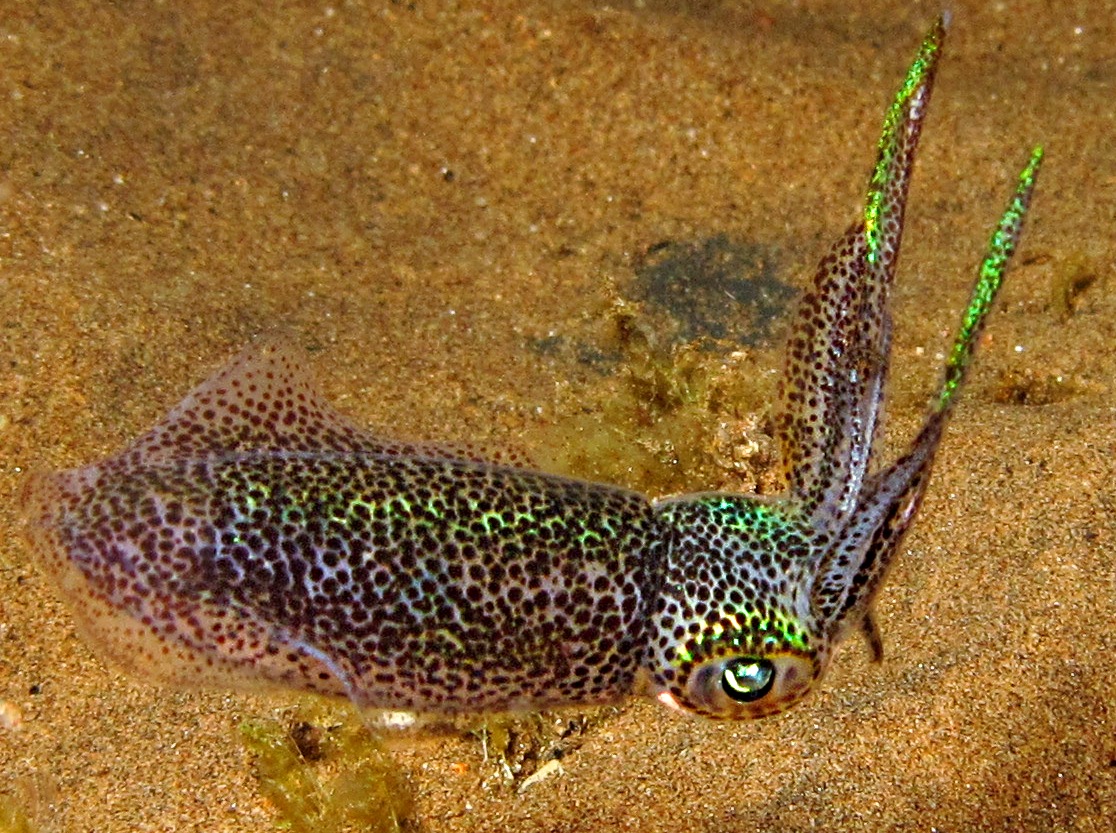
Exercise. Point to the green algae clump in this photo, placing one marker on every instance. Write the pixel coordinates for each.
(324, 775)
(674, 415)
(13, 819)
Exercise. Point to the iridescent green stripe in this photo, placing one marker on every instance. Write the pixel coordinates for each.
(1000, 249)
(744, 630)
(917, 76)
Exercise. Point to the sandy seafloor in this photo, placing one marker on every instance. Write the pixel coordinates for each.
(430, 196)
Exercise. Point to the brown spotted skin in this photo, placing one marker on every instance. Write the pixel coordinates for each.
(401, 581)
(256, 537)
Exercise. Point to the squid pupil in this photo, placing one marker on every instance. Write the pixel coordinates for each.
(746, 680)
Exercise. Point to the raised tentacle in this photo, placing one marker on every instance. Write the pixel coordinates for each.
(854, 571)
(837, 355)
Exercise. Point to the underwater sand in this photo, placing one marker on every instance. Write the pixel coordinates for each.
(442, 202)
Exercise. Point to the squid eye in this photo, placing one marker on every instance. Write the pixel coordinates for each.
(746, 679)
(746, 686)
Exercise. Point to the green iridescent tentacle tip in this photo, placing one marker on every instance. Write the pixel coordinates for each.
(888, 185)
(1000, 249)
(256, 537)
